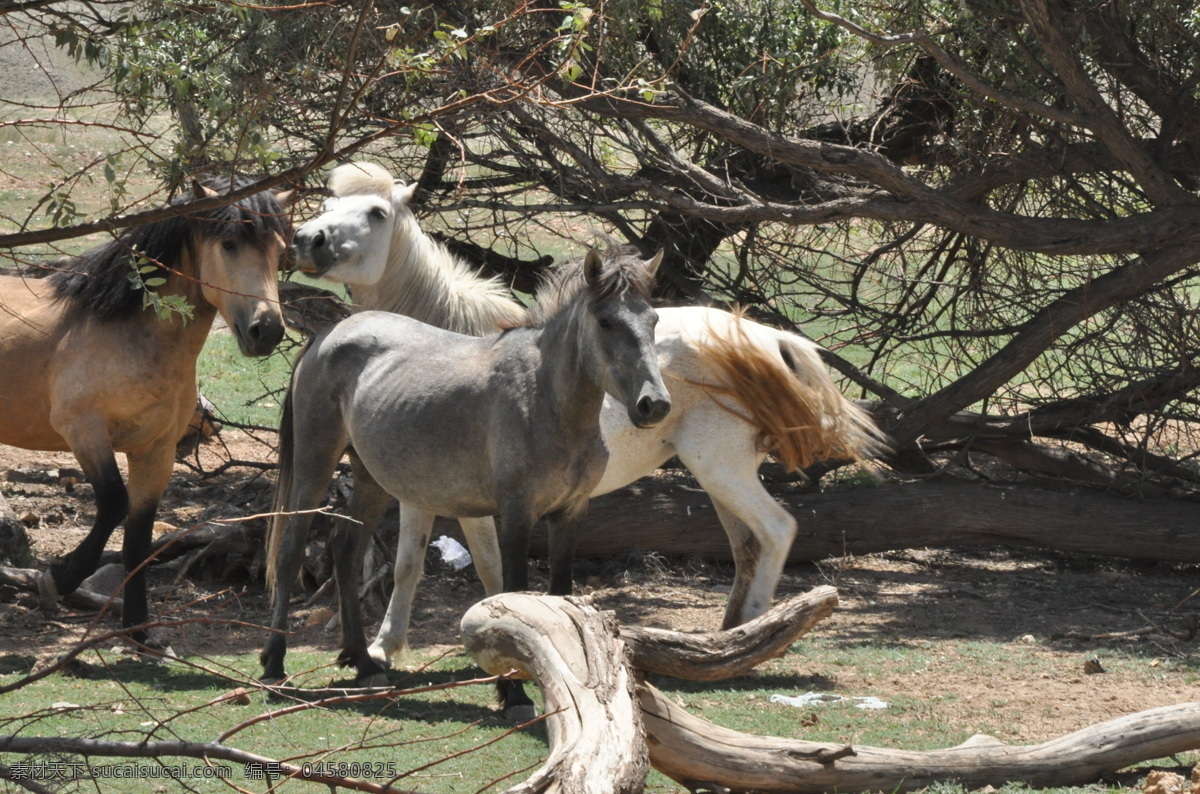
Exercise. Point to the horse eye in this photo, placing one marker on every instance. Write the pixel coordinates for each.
(377, 213)
(605, 323)
(229, 245)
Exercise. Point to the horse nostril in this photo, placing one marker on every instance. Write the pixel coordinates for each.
(652, 411)
(318, 239)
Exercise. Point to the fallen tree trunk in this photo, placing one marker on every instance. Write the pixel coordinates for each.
(556, 641)
(27, 579)
(593, 723)
(696, 752)
(676, 520)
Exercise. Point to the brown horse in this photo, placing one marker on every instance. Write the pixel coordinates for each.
(87, 365)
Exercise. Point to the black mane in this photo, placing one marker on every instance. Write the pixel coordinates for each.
(99, 281)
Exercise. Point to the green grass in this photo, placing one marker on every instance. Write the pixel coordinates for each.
(250, 390)
(120, 699)
(448, 738)
(244, 390)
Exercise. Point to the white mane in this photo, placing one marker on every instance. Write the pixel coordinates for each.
(359, 179)
(423, 279)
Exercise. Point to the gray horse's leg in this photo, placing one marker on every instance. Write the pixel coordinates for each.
(516, 526)
(415, 526)
(563, 528)
(350, 537)
(313, 461)
(287, 568)
(515, 530)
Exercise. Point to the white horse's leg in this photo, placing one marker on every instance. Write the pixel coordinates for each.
(725, 463)
(415, 526)
(484, 546)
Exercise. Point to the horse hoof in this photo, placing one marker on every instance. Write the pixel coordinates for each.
(375, 681)
(380, 656)
(154, 653)
(520, 714)
(47, 591)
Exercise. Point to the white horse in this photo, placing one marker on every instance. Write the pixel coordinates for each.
(739, 390)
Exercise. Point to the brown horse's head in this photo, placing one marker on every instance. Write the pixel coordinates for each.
(237, 257)
(226, 257)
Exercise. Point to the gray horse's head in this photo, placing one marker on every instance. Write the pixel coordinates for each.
(617, 333)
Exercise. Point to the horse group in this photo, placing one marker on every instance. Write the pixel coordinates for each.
(445, 393)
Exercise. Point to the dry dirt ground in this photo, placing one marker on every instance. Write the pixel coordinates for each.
(1060, 611)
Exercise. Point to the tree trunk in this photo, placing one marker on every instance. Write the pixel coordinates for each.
(674, 520)
(578, 657)
(698, 753)
(592, 719)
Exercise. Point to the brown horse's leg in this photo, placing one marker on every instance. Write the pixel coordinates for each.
(112, 505)
(149, 473)
(350, 539)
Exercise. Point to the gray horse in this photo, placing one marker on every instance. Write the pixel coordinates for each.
(461, 426)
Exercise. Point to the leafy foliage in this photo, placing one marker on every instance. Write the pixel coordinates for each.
(984, 205)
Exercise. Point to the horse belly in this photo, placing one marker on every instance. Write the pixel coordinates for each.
(433, 455)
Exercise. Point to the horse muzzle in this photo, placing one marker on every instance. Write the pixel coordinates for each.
(261, 335)
(649, 411)
(313, 251)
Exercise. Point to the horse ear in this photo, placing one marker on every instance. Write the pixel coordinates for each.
(402, 194)
(652, 265)
(593, 265)
(287, 198)
(200, 191)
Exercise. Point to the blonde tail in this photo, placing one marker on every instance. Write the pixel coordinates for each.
(788, 395)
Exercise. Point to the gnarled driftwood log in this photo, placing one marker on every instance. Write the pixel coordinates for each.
(584, 663)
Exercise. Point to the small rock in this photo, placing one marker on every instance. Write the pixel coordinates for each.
(71, 666)
(63, 705)
(30, 520)
(162, 527)
(30, 476)
(318, 616)
(106, 580)
(1158, 782)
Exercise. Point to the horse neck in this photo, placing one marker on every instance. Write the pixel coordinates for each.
(185, 282)
(426, 282)
(570, 373)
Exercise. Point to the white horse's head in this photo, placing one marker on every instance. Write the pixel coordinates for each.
(350, 241)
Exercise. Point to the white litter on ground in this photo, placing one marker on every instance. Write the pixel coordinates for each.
(453, 553)
(825, 698)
